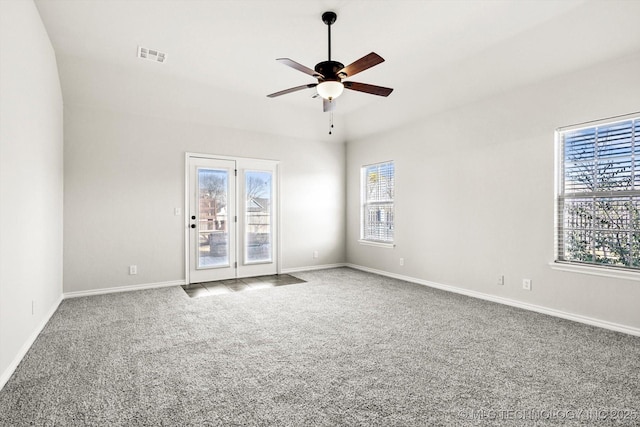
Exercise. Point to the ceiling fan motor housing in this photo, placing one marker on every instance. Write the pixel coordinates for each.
(329, 69)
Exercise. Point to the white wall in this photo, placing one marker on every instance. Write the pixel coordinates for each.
(31, 181)
(474, 194)
(124, 175)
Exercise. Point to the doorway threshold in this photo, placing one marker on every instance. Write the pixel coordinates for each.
(220, 287)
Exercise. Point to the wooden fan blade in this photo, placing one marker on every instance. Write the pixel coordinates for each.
(366, 88)
(293, 64)
(361, 64)
(293, 89)
(328, 105)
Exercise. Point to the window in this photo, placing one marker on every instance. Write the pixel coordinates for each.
(598, 202)
(377, 185)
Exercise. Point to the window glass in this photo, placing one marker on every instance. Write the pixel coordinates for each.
(378, 186)
(599, 194)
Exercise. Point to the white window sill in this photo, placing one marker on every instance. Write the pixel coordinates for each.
(596, 271)
(378, 244)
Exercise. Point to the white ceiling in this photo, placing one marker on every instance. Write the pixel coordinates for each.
(221, 55)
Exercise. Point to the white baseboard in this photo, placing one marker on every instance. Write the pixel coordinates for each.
(127, 288)
(507, 301)
(311, 268)
(28, 343)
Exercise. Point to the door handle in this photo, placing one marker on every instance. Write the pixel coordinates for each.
(193, 226)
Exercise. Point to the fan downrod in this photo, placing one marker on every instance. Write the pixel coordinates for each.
(329, 18)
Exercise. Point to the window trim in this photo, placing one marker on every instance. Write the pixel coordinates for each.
(363, 203)
(376, 243)
(596, 270)
(604, 270)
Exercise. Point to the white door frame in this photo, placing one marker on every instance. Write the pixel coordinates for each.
(187, 222)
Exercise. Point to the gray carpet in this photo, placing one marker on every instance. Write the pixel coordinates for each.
(346, 348)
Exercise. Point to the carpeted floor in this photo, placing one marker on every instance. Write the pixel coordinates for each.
(346, 348)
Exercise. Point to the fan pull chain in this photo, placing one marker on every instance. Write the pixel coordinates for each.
(330, 122)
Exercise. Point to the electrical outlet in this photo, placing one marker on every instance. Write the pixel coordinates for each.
(401, 261)
(526, 284)
(133, 269)
(315, 254)
(500, 280)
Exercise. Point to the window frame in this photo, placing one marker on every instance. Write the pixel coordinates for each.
(593, 267)
(365, 203)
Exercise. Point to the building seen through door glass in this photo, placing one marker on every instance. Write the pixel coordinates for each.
(213, 232)
(258, 217)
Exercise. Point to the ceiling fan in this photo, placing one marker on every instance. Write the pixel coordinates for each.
(330, 74)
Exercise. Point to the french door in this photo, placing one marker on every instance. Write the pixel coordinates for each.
(232, 218)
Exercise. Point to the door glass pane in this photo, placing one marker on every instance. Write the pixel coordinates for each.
(213, 232)
(258, 217)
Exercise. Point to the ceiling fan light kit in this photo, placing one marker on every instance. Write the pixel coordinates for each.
(330, 74)
(330, 90)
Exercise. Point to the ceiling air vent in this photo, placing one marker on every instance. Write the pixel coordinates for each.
(151, 54)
